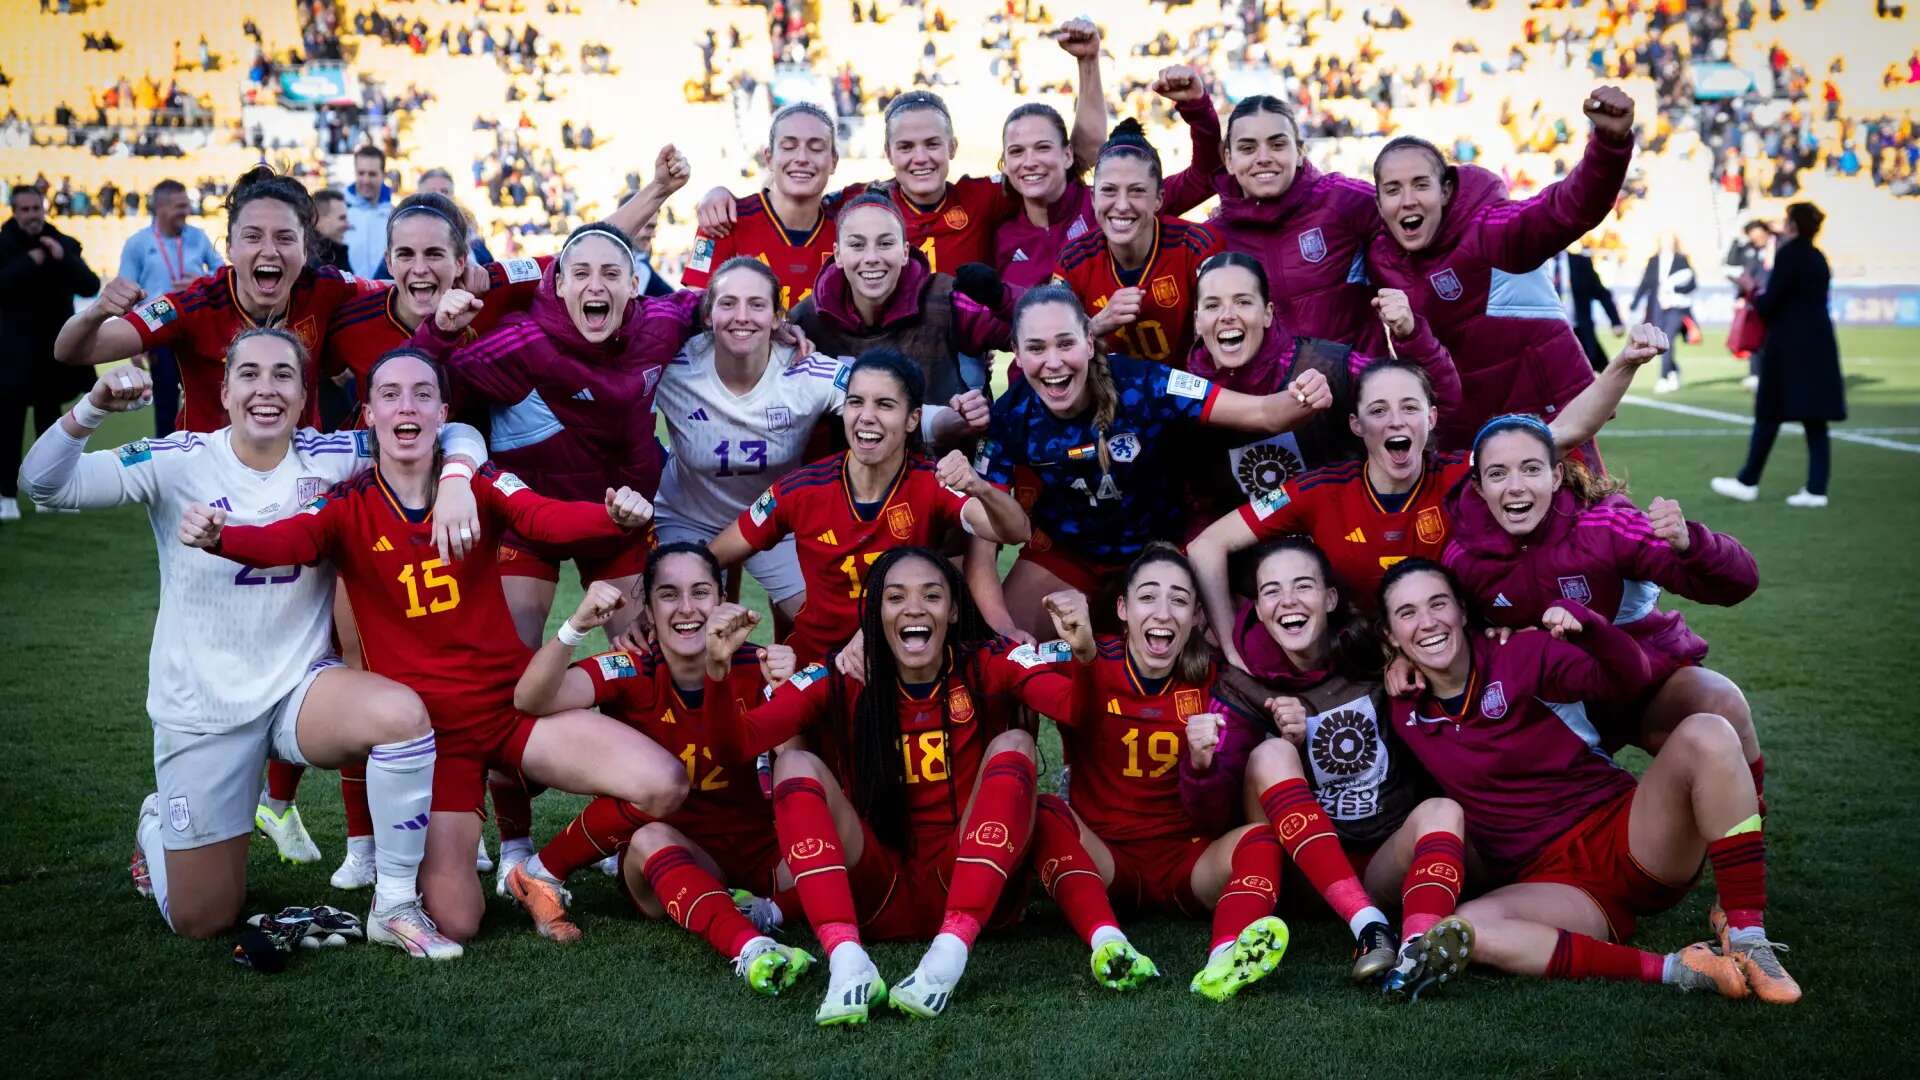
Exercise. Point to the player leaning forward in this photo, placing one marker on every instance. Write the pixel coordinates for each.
(241, 666)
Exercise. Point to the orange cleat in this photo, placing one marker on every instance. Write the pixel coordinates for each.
(1762, 970)
(546, 901)
(1701, 968)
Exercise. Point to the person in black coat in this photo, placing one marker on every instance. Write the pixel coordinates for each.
(1666, 291)
(41, 271)
(1585, 289)
(1799, 364)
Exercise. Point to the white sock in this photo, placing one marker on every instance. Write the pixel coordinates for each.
(519, 849)
(946, 959)
(156, 854)
(1669, 965)
(361, 846)
(847, 960)
(1104, 935)
(534, 866)
(400, 798)
(1365, 917)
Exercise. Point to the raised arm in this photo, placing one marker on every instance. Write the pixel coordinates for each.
(794, 706)
(1270, 414)
(989, 513)
(1208, 553)
(1588, 658)
(556, 521)
(1194, 184)
(552, 682)
(1081, 40)
(300, 539)
(1589, 411)
(101, 333)
(489, 368)
(1413, 341)
(1521, 235)
(57, 473)
(670, 174)
(1682, 556)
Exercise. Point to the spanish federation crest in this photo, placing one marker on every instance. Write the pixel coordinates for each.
(1313, 245)
(1166, 291)
(1575, 588)
(900, 521)
(1493, 703)
(1429, 525)
(779, 418)
(1446, 283)
(308, 488)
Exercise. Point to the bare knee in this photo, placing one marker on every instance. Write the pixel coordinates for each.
(1703, 737)
(459, 923)
(1015, 741)
(393, 714)
(204, 921)
(1273, 761)
(799, 765)
(1438, 815)
(659, 792)
(653, 837)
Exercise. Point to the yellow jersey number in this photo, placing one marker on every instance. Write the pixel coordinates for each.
(430, 579)
(690, 757)
(853, 566)
(1162, 747)
(925, 754)
(1146, 339)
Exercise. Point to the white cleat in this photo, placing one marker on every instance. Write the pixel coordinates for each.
(1666, 384)
(289, 836)
(921, 995)
(504, 866)
(609, 866)
(410, 929)
(356, 871)
(482, 862)
(850, 998)
(9, 509)
(1732, 488)
(137, 866)
(1807, 500)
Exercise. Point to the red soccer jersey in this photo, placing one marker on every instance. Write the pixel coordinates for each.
(959, 228)
(758, 231)
(1337, 506)
(725, 809)
(364, 329)
(1164, 330)
(837, 542)
(979, 698)
(1123, 741)
(200, 321)
(443, 630)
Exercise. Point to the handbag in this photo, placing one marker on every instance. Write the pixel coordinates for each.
(1748, 332)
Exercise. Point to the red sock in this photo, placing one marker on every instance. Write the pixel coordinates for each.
(512, 808)
(1577, 956)
(991, 842)
(1432, 885)
(1758, 767)
(697, 900)
(1067, 871)
(1740, 873)
(1252, 888)
(283, 780)
(353, 799)
(804, 823)
(603, 828)
(1312, 845)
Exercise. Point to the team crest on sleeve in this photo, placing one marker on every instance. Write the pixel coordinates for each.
(1429, 526)
(1047, 652)
(1576, 589)
(1078, 229)
(840, 377)
(1124, 448)
(900, 521)
(779, 418)
(309, 488)
(1446, 283)
(1313, 245)
(135, 452)
(702, 258)
(157, 312)
(1493, 703)
(508, 484)
(650, 380)
(616, 665)
(519, 270)
(363, 443)
(1166, 291)
(959, 704)
(1189, 703)
(1269, 504)
(762, 507)
(1187, 385)
(807, 676)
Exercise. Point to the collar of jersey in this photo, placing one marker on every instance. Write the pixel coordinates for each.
(1466, 699)
(1373, 497)
(846, 487)
(399, 508)
(766, 202)
(1153, 253)
(939, 681)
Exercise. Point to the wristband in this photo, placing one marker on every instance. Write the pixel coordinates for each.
(456, 468)
(568, 636)
(88, 415)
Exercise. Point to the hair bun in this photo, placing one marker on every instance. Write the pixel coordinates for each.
(1128, 130)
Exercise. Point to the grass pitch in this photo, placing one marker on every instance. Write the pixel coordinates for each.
(95, 985)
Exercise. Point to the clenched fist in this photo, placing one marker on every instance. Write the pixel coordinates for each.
(1203, 738)
(457, 310)
(1611, 111)
(200, 526)
(1669, 524)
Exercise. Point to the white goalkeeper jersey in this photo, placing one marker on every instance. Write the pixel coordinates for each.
(229, 641)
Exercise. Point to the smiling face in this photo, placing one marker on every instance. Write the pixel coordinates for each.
(367, 175)
(1231, 316)
(595, 282)
(268, 249)
(871, 249)
(1125, 199)
(1412, 194)
(263, 390)
(1292, 600)
(1035, 158)
(742, 313)
(1054, 352)
(684, 594)
(29, 210)
(802, 157)
(424, 263)
(330, 219)
(878, 417)
(920, 147)
(1160, 609)
(1517, 477)
(405, 410)
(916, 608)
(1263, 154)
(1393, 417)
(170, 212)
(1426, 622)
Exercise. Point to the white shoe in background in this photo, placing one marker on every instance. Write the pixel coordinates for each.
(1807, 500)
(1732, 488)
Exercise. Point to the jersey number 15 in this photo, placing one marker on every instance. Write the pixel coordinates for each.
(432, 579)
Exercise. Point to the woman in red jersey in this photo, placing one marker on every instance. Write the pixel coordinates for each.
(872, 823)
(1581, 847)
(1369, 514)
(788, 225)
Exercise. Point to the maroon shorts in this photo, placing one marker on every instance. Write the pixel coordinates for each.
(1594, 857)
(1157, 875)
(902, 899)
(521, 559)
(464, 756)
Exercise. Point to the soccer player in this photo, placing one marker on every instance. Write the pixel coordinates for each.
(1135, 275)
(1587, 848)
(1471, 260)
(241, 668)
(883, 492)
(872, 823)
(1241, 347)
(1534, 527)
(1343, 796)
(443, 629)
(788, 225)
(1089, 443)
(1127, 833)
(1367, 515)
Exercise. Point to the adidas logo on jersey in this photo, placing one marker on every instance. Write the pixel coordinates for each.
(1500, 600)
(1357, 536)
(383, 544)
(698, 414)
(223, 503)
(584, 395)
(828, 539)
(1019, 255)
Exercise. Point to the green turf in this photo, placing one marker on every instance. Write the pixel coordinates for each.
(95, 985)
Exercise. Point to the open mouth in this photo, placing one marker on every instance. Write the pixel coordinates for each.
(1399, 449)
(1293, 624)
(1410, 223)
(688, 629)
(1230, 340)
(1517, 510)
(873, 277)
(869, 440)
(916, 637)
(424, 293)
(597, 313)
(406, 432)
(922, 172)
(802, 174)
(1159, 643)
(267, 279)
(742, 332)
(1434, 642)
(1055, 386)
(1122, 223)
(1032, 177)
(265, 413)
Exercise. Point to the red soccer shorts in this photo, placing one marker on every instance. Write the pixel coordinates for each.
(1157, 875)
(901, 899)
(460, 769)
(1594, 857)
(745, 862)
(518, 558)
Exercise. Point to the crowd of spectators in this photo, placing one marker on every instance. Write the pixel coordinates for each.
(65, 198)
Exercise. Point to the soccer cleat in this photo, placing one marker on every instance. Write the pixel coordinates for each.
(609, 866)
(1117, 965)
(922, 994)
(764, 914)
(504, 867)
(482, 862)
(289, 836)
(410, 929)
(1807, 500)
(1732, 488)
(1702, 967)
(1254, 955)
(770, 967)
(852, 1000)
(9, 508)
(1373, 953)
(1750, 383)
(321, 927)
(1667, 384)
(546, 901)
(1430, 959)
(1762, 971)
(356, 871)
(137, 866)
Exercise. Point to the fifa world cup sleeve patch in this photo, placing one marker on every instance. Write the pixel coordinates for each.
(1047, 652)
(983, 459)
(616, 665)
(1187, 385)
(841, 376)
(314, 505)
(363, 444)
(1269, 504)
(157, 313)
(519, 270)
(135, 452)
(508, 484)
(702, 258)
(762, 507)
(807, 676)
